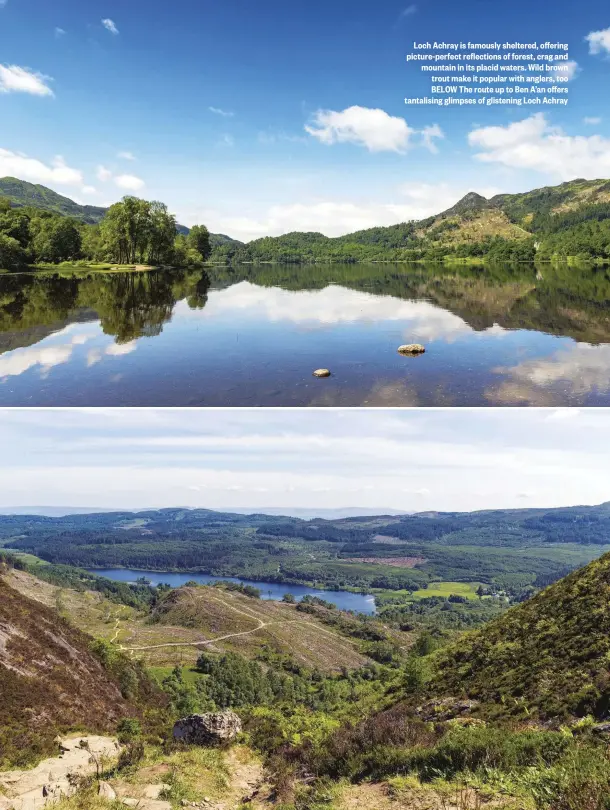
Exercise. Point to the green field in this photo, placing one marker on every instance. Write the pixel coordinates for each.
(446, 589)
(28, 559)
(443, 589)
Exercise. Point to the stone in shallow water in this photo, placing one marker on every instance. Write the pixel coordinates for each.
(411, 348)
(321, 372)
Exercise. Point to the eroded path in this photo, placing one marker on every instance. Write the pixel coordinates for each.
(51, 778)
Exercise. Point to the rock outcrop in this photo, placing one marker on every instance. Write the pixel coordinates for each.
(212, 728)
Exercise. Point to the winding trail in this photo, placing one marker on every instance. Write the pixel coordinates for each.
(261, 624)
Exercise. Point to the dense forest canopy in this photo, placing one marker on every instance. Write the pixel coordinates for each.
(132, 231)
(508, 550)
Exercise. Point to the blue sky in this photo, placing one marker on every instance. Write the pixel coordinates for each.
(226, 110)
(407, 460)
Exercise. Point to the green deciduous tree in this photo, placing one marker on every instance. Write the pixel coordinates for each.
(199, 240)
(57, 239)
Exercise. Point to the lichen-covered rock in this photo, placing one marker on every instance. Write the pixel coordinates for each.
(446, 709)
(411, 348)
(212, 728)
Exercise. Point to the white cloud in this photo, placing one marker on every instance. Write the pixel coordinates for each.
(428, 134)
(331, 458)
(103, 174)
(227, 140)
(219, 111)
(109, 25)
(129, 182)
(3, 3)
(332, 305)
(533, 144)
(569, 69)
(118, 349)
(89, 190)
(15, 79)
(582, 369)
(599, 41)
(126, 156)
(59, 32)
(408, 11)
(374, 129)
(592, 121)
(271, 138)
(21, 360)
(26, 168)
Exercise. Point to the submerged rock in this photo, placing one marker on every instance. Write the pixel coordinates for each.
(411, 348)
(212, 728)
(321, 372)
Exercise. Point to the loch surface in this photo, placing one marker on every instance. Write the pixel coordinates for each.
(361, 603)
(254, 335)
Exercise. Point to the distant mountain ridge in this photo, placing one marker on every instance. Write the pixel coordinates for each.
(568, 220)
(572, 218)
(22, 193)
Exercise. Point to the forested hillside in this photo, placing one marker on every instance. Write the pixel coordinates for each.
(503, 717)
(20, 194)
(571, 220)
(508, 550)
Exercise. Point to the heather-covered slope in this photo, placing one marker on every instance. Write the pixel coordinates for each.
(54, 678)
(548, 657)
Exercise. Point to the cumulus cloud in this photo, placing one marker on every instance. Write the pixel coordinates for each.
(109, 25)
(89, 190)
(219, 111)
(15, 79)
(129, 182)
(583, 368)
(118, 349)
(599, 41)
(428, 134)
(332, 305)
(374, 129)
(103, 174)
(126, 156)
(533, 143)
(16, 164)
(568, 69)
(19, 361)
